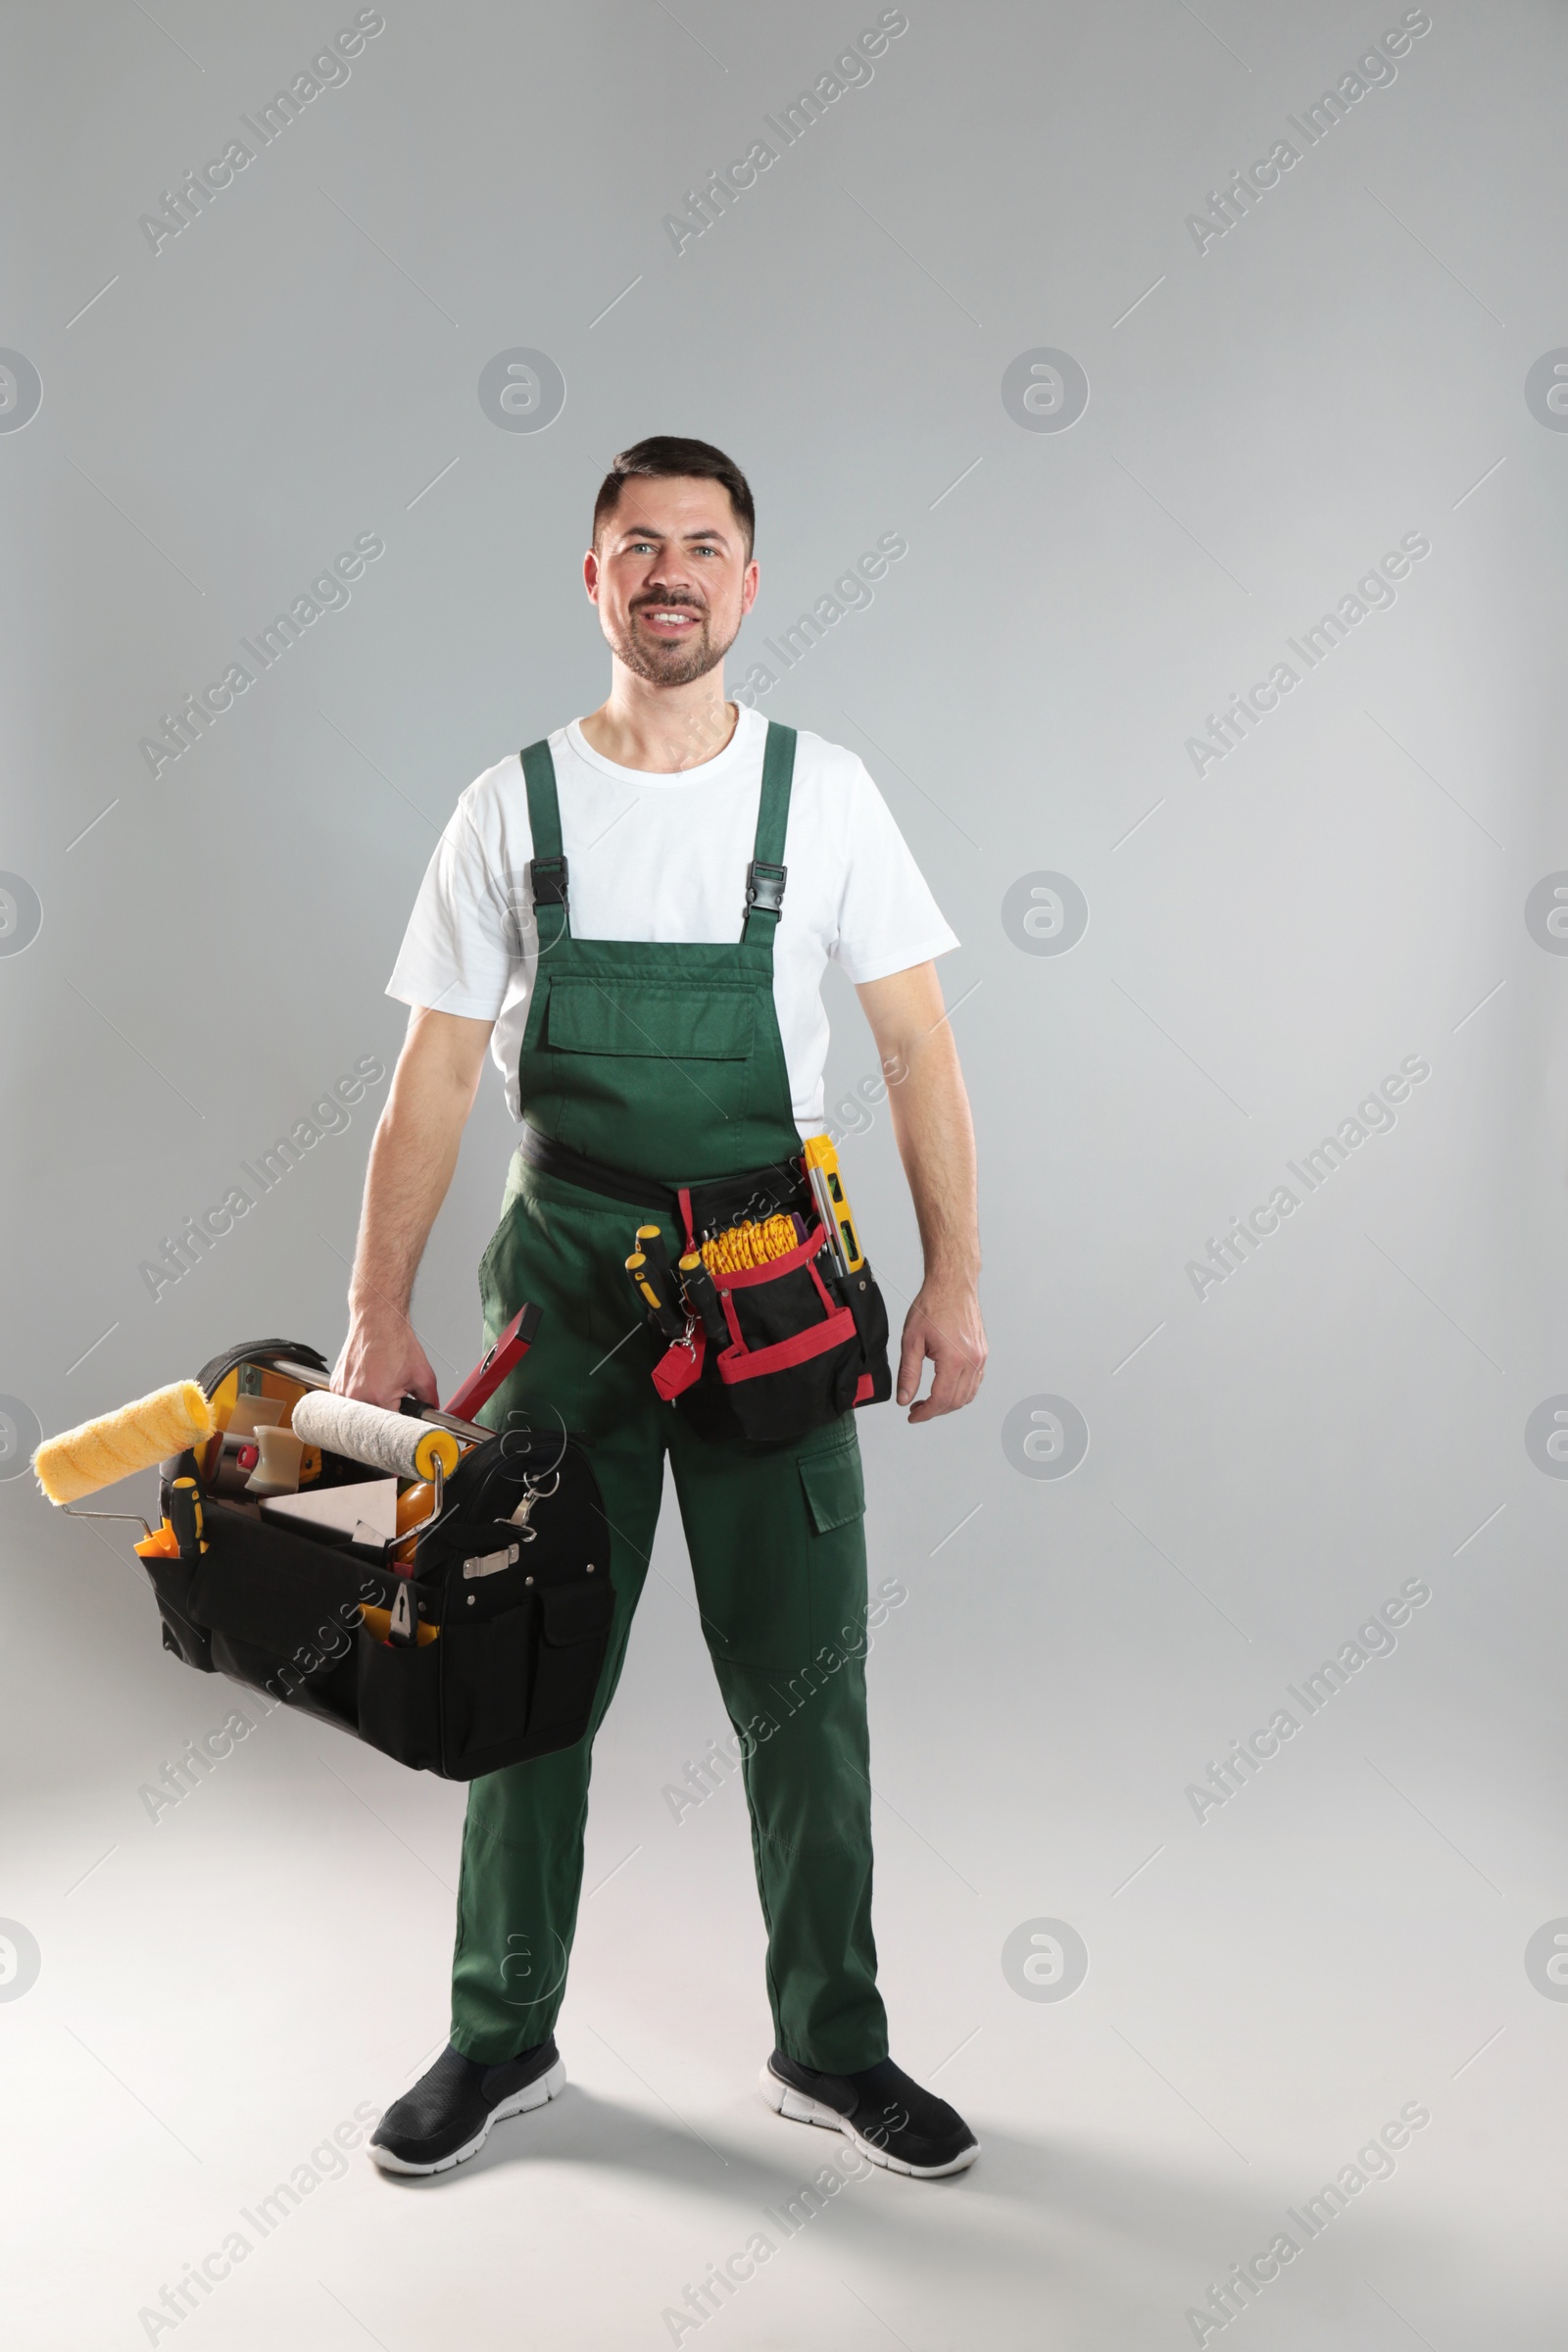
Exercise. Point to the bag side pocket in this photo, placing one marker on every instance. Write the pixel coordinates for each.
(487, 1670)
(576, 1625)
(399, 1700)
(188, 1641)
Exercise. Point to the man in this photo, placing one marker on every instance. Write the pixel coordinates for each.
(635, 826)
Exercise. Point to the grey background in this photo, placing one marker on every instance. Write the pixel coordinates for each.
(1265, 1465)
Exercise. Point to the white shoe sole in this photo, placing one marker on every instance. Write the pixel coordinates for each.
(799, 2108)
(549, 2086)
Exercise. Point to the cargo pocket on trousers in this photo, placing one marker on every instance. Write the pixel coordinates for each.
(835, 1487)
(833, 1484)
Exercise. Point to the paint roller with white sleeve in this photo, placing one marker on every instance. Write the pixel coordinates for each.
(394, 1443)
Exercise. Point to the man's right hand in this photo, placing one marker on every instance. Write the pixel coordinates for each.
(383, 1362)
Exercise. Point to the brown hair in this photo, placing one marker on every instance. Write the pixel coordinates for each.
(668, 454)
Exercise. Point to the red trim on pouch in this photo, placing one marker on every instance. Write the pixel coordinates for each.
(740, 1363)
(801, 1255)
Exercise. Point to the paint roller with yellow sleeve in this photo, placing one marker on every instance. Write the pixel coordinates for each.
(137, 1437)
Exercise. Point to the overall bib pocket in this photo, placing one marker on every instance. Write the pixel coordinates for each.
(672, 1023)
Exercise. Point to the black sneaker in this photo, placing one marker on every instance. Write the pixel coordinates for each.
(447, 2114)
(888, 2118)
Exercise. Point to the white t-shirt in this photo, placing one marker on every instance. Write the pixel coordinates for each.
(664, 858)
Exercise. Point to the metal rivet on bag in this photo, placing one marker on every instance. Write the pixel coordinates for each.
(527, 1579)
(472, 1598)
(590, 1567)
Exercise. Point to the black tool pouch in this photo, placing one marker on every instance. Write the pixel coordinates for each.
(805, 1344)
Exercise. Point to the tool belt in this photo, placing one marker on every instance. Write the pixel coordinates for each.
(470, 1638)
(786, 1345)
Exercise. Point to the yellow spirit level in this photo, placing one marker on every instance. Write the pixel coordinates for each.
(828, 1190)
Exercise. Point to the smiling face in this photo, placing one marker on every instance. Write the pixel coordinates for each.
(671, 576)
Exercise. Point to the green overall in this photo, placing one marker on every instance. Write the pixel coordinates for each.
(666, 1059)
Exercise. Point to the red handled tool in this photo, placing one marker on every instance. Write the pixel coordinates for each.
(503, 1357)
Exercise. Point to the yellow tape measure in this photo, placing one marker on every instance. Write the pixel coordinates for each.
(747, 1244)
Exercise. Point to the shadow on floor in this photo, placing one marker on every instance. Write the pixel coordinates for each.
(1097, 2238)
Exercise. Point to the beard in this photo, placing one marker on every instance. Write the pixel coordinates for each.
(667, 661)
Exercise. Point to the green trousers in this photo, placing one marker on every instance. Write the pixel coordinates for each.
(777, 1536)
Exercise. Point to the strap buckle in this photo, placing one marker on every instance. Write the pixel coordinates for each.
(765, 887)
(546, 879)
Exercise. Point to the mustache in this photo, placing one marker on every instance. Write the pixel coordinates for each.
(687, 604)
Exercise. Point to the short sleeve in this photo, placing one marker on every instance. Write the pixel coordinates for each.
(888, 918)
(462, 939)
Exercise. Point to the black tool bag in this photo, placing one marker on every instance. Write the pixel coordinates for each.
(489, 1653)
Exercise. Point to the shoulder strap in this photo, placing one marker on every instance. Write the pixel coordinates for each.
(764, 876)
(547, 869)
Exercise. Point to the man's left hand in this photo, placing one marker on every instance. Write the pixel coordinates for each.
(944, 1323)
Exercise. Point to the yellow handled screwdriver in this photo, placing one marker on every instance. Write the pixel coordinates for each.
(702, 1297)
(185, 1517)
(669, 1322)
(651, 1241)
